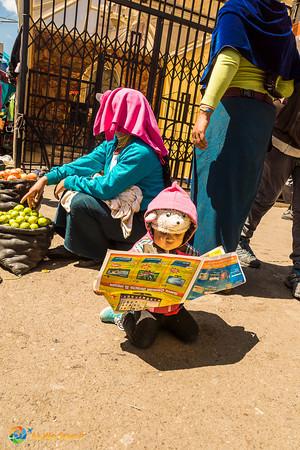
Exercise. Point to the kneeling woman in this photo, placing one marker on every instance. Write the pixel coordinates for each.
(133, 154)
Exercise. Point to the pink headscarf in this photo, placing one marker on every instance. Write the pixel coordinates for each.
(128, 111)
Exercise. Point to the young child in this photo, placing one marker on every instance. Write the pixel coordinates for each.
(171, 220)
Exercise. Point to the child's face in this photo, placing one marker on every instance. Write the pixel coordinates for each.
(168, 241)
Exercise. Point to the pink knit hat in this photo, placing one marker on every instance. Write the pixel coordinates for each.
(173, 199)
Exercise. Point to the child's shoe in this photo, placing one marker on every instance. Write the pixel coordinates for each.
(107, 315)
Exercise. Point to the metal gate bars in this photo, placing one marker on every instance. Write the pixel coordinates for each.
(79, 48)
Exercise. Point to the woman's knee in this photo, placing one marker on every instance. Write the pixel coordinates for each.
(81, 201)
(86, 203)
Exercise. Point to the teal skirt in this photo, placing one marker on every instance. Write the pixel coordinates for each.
(226, 175)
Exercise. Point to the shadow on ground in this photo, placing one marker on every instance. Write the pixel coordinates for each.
(218, 344)
(48, 202)
(55, 264)
(49, 264)
(266, 282)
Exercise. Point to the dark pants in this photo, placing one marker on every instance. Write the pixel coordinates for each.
(142, 327)
(278, 167)
(89, 229)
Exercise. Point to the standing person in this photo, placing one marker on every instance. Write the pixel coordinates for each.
(253, 58)
(171, 221)
(281, 162)
(132, 154)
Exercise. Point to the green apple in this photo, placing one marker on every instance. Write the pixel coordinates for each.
(25, 225)
(14, 224)
(19, 207)
(43, 222)
(4, 218)
(19, 219)
(34, 226)
(32, 219)
(14, 214)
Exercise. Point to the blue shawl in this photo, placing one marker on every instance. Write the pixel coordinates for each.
(261, 31)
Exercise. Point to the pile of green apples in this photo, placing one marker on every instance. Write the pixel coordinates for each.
(23, 218)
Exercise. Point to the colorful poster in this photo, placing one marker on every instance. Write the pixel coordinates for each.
(217, 274)
(137, 281)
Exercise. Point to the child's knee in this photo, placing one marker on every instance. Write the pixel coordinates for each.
(183, 326)
(141, 328)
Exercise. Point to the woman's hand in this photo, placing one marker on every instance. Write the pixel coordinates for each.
(35, 193)
(199, 130)
(59, 189)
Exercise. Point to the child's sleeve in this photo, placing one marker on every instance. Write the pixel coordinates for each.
(138, 246)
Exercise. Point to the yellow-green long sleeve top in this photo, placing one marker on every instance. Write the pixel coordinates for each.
(232, 70)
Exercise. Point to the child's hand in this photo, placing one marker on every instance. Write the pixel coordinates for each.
(96, 290)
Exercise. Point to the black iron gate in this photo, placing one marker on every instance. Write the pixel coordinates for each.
(78, 48)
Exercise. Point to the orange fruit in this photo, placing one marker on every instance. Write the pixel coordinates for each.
(15, 172)
(31, 176)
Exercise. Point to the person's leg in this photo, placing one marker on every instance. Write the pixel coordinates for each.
(84, 234)
(60, 224)
(138, 231)
(141, 328)
(295, 256)
(182, 325)
(293, 279)
(91, 230)
(277, 169)
(60, 221)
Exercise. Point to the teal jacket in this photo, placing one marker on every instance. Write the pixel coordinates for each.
(137, 165)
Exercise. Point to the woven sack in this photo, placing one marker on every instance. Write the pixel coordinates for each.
(22, 250)
(12, 191)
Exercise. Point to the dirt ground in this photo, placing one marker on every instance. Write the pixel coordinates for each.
(78, 384)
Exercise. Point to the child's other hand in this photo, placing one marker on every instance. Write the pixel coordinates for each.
(98, 292)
